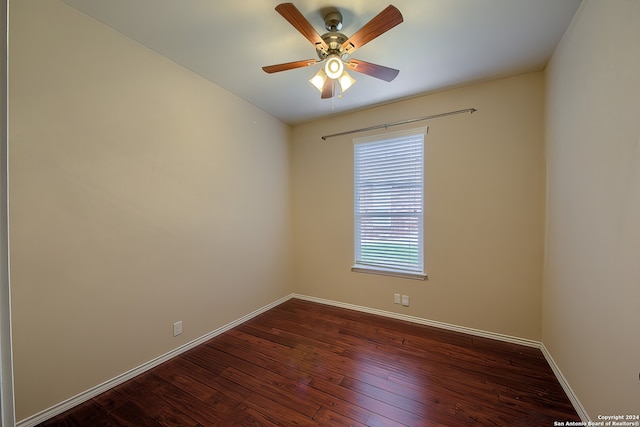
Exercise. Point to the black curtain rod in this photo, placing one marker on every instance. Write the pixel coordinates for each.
(402, 122)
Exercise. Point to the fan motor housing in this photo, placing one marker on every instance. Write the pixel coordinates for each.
(334, 40)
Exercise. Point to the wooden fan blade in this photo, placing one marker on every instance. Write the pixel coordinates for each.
(380, 24)
(378, 71)
(300, 23)
(327, 89)
(288, 66)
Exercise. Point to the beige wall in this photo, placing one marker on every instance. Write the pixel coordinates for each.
(484, 207)
(140, 194)
(591, 280)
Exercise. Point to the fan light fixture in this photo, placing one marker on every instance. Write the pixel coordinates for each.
(346, 81)
(319, 79)
(334, 70)
(334, 67)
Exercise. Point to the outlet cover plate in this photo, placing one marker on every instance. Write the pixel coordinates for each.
(177, 328)
(405, 300)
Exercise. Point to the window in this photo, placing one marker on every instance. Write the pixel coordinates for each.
(388, 204)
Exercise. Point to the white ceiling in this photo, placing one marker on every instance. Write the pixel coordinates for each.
(440, 44)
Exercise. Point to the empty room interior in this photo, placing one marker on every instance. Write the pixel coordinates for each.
(146, 195)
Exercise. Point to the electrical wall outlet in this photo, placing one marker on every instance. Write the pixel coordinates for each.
(396, 298)
(405, 300)
(177, 328)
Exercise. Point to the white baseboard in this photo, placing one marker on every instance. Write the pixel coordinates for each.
(107, 385)
(582, 413)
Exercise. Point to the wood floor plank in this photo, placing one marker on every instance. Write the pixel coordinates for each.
(154, 405)
(266, 409)
(277, 389)
(85, 414)
(271, 359)
(371, 404)
(308, 364)
(129, 415)
(327, 417)
(215, 381)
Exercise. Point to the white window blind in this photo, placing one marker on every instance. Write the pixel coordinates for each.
(388, 193)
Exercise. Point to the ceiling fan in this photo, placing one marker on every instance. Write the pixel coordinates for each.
(334, 48)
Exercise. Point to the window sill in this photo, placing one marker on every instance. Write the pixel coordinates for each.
(386, 272)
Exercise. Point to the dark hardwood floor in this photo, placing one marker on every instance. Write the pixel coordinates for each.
(303, 363)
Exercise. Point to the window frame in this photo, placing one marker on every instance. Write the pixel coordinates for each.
(378, 268)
